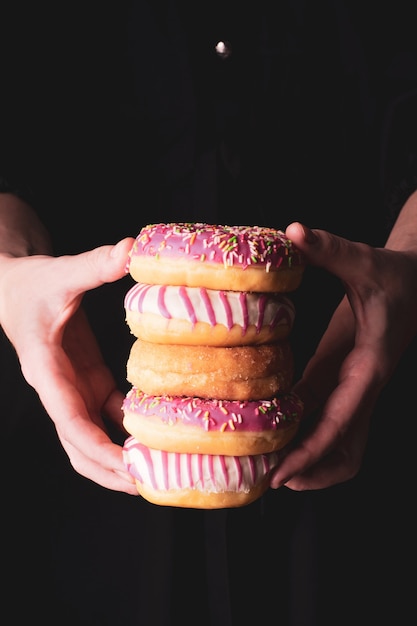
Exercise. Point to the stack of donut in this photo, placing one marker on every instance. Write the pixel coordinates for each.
(211, 366)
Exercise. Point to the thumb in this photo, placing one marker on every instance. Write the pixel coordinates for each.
(337, 255)
(93, 268)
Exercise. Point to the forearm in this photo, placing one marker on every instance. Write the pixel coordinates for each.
(403, 235)
(21, 231)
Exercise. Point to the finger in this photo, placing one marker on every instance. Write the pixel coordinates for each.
(340, 465)
(334, 469)
(310, 398)
(322, 372)
(346, 259)
(113, 409)
(352, 397)
(110, 478)
(65, 406)
(93, 455)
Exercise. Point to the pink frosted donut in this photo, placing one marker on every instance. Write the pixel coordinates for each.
(197, 480)
(209, 317)
(208, 426)
(230, 258)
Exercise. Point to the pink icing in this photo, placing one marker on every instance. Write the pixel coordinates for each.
(189, 474)
(261, 314)
(228, 310)
(245, 314)
(172, 470)
(161, 302)
(141, 296)
(220, 415)
(200, 473)
(229, 245)
(183, 293)
(208, 307)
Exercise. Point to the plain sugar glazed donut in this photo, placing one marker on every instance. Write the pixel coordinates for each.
(197, 480)
(208, 426)
(230, 258)
(232, 373)
(200, 316)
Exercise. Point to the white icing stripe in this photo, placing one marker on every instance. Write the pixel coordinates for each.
(170, 470)
(211, 306)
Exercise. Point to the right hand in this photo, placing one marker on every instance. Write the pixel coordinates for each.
(40, 313)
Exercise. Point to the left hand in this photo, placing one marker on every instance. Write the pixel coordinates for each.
(355, 358)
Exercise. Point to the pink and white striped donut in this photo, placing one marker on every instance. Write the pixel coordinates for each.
(200, 316)
(197, 480)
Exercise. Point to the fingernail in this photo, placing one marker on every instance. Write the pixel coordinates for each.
(115, 251)
(276, 483)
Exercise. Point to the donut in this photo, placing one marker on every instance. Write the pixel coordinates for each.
(232, 373)
(198, 316)
(201, 481)
(211, 426)
(230, 258)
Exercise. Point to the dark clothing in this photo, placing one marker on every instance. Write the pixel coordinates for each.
(121, 115)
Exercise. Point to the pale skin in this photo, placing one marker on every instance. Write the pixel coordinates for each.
(57, 350)
(356, 357)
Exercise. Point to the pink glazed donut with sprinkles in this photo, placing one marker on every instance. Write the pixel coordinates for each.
(235, 258)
